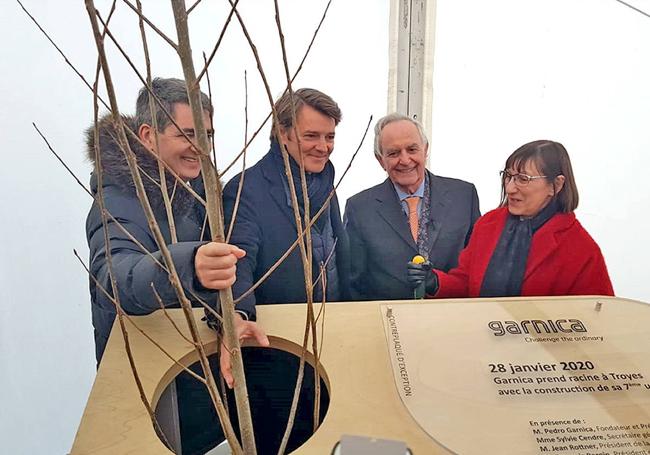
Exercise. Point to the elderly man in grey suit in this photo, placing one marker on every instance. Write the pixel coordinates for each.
(413, 212)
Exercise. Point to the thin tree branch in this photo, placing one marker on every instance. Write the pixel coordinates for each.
(296, 390)
(154, 121)
(215, 216)
(313, 220)
(151, 24)
(109, 265)
(243, 170)
(178, 179)
(67, 168)
(214, 149)
(196, 3)
(327, 261)
(295, 74)
(317, 351)
(216, 46)
(634, 8)
(60, 52)
(321, 313)
(137, 327)
(164, 310)
(306, 247)
(121, 227)
(133, 134)
(170, 117)
(285, 155)
(162, 307)
(243, 150)
(125, 231)
(153, 226)
(294, 202)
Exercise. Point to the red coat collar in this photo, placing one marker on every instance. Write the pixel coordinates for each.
(545, 240)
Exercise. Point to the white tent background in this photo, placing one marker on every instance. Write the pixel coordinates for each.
(505, 72)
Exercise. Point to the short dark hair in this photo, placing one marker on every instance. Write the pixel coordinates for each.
(395, 117)
(169, 91)
(305, 96)
(552, 160)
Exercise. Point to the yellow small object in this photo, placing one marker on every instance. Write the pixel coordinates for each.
(418, 260)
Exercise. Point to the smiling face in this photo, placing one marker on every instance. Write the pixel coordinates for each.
(173, 148)
(403, 154)
(316, 132)
(529, 199)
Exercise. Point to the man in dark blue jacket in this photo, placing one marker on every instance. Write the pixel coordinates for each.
(265, 225)
(203, 267)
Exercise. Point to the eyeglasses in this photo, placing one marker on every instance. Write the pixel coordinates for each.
(520, 179)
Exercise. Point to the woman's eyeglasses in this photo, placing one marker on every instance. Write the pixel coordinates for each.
(520, 179)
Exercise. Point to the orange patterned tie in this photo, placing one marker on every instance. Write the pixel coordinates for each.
(412, 202)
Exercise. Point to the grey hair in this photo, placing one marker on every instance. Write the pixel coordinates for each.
(395, 117)
(169, 91)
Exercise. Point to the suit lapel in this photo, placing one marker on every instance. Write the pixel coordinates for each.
(276, 187)
(390, 209)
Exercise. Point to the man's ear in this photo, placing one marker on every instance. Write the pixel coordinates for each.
(147, 136)
(284, 135)
(380, 161)
(426, 150)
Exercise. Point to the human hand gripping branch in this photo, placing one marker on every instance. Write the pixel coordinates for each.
(216, 266)
(244, 330)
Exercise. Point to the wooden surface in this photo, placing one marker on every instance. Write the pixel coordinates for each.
(570, 375)
(364, 399)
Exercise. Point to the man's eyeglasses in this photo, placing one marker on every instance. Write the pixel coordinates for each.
(520, 179)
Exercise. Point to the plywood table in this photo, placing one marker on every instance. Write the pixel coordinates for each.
(439, 348)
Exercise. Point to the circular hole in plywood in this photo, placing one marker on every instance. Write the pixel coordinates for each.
(190, 423)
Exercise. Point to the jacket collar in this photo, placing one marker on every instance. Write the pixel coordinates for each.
(548, 235)
(273, 175)
(390, 209)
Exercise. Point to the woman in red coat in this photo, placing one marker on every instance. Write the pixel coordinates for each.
(532, 245)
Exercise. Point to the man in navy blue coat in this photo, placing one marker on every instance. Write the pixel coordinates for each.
(265, 225)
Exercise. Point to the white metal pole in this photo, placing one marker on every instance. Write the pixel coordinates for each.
(411, 50)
